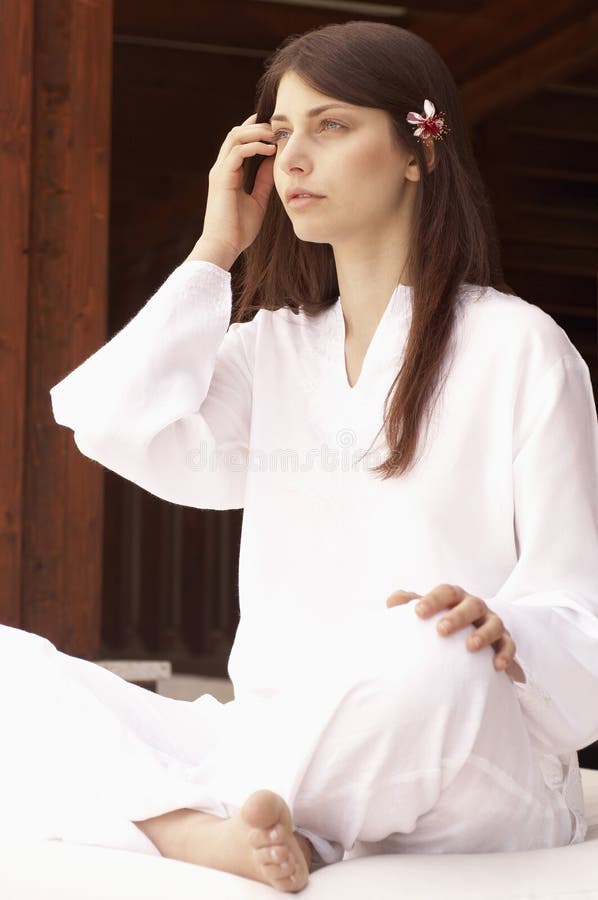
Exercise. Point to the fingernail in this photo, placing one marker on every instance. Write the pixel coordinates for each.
(422, 608)
(444, 626)
(476, 642)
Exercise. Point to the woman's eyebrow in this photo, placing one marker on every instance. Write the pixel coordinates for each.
(310, 113)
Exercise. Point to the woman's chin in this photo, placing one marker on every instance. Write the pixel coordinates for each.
(311, 233)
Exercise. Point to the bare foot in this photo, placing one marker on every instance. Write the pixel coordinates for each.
(258, 843)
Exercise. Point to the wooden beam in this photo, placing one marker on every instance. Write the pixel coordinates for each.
(236, 23)
(374, 8)
(558, 55)
(499, 28)
(16, 52)
(63, 497)
(498, 50)
(370, 8)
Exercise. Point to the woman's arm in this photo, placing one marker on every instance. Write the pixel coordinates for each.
(166, 403)
(549, 603)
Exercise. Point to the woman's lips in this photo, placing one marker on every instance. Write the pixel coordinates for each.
(300, 202)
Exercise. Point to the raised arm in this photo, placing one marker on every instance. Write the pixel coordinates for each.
(166, 403)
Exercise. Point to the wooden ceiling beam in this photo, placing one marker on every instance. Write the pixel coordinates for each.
(498, 30)
(374, 8)
(556, 56)
(500, 53)
(236, 23)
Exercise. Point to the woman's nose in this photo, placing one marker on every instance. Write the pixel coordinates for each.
(293, 157)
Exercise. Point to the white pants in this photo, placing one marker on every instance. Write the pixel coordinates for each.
(394, 739)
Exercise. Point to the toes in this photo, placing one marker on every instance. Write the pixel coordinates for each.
(259, 839)
(279, 871)
(281, 868)
(285, 880)
(263, 810)
(294, 883)
(286, 884)
(276, 854)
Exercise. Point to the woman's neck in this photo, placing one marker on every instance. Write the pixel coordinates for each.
(367, 281)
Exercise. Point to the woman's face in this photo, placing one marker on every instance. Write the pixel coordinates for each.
(347, 154)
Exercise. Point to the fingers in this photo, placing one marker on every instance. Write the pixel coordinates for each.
(465, 609)
(470, 611)
(505, 651)
(251, 148)
(240, 135)
(492, 631)
(400, 596)
(442, 597)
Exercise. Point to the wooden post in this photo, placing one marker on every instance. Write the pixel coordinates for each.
(16, 53)
(54, 159)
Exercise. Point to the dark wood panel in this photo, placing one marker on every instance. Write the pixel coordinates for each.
(577, 178)
(168, 125)
(568, 110)
(235, 23)
(67, 314)
(551, 291)
(377, 6)
(498, 51)
(16, 53)
(588, 78)
(171, 590)
(565, 48)
(167, 119)
(575, 261)
(529, 150)
(551, 230)
(501, 31)
(568, 198)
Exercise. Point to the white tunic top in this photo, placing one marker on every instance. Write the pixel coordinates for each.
(260, 416)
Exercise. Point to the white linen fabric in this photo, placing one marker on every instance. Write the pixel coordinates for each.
(376, 730)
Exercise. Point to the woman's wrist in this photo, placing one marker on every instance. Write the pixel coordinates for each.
(219, 254)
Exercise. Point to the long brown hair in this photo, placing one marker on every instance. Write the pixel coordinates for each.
(453, 240)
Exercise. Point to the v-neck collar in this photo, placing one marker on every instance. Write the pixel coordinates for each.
(384, 341)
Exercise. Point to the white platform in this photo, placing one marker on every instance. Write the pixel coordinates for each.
(57, 871)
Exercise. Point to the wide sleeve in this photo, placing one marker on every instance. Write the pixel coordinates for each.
(166, 403)
(549, 603)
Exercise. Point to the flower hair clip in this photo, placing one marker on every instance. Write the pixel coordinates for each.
(431, 125)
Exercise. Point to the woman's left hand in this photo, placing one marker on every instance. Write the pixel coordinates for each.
(467, 610)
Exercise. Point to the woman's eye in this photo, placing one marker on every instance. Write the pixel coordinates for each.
(332, 122)
(278, 134)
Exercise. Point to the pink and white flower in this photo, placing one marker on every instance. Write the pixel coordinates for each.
(430, 126)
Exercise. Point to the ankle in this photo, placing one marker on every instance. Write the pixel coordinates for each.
(173, 832)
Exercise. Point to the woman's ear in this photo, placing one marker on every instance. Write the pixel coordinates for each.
(412, 172)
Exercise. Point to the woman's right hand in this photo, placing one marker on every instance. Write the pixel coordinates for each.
(233, 217)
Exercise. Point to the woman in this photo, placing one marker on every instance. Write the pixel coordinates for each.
(396, 424)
